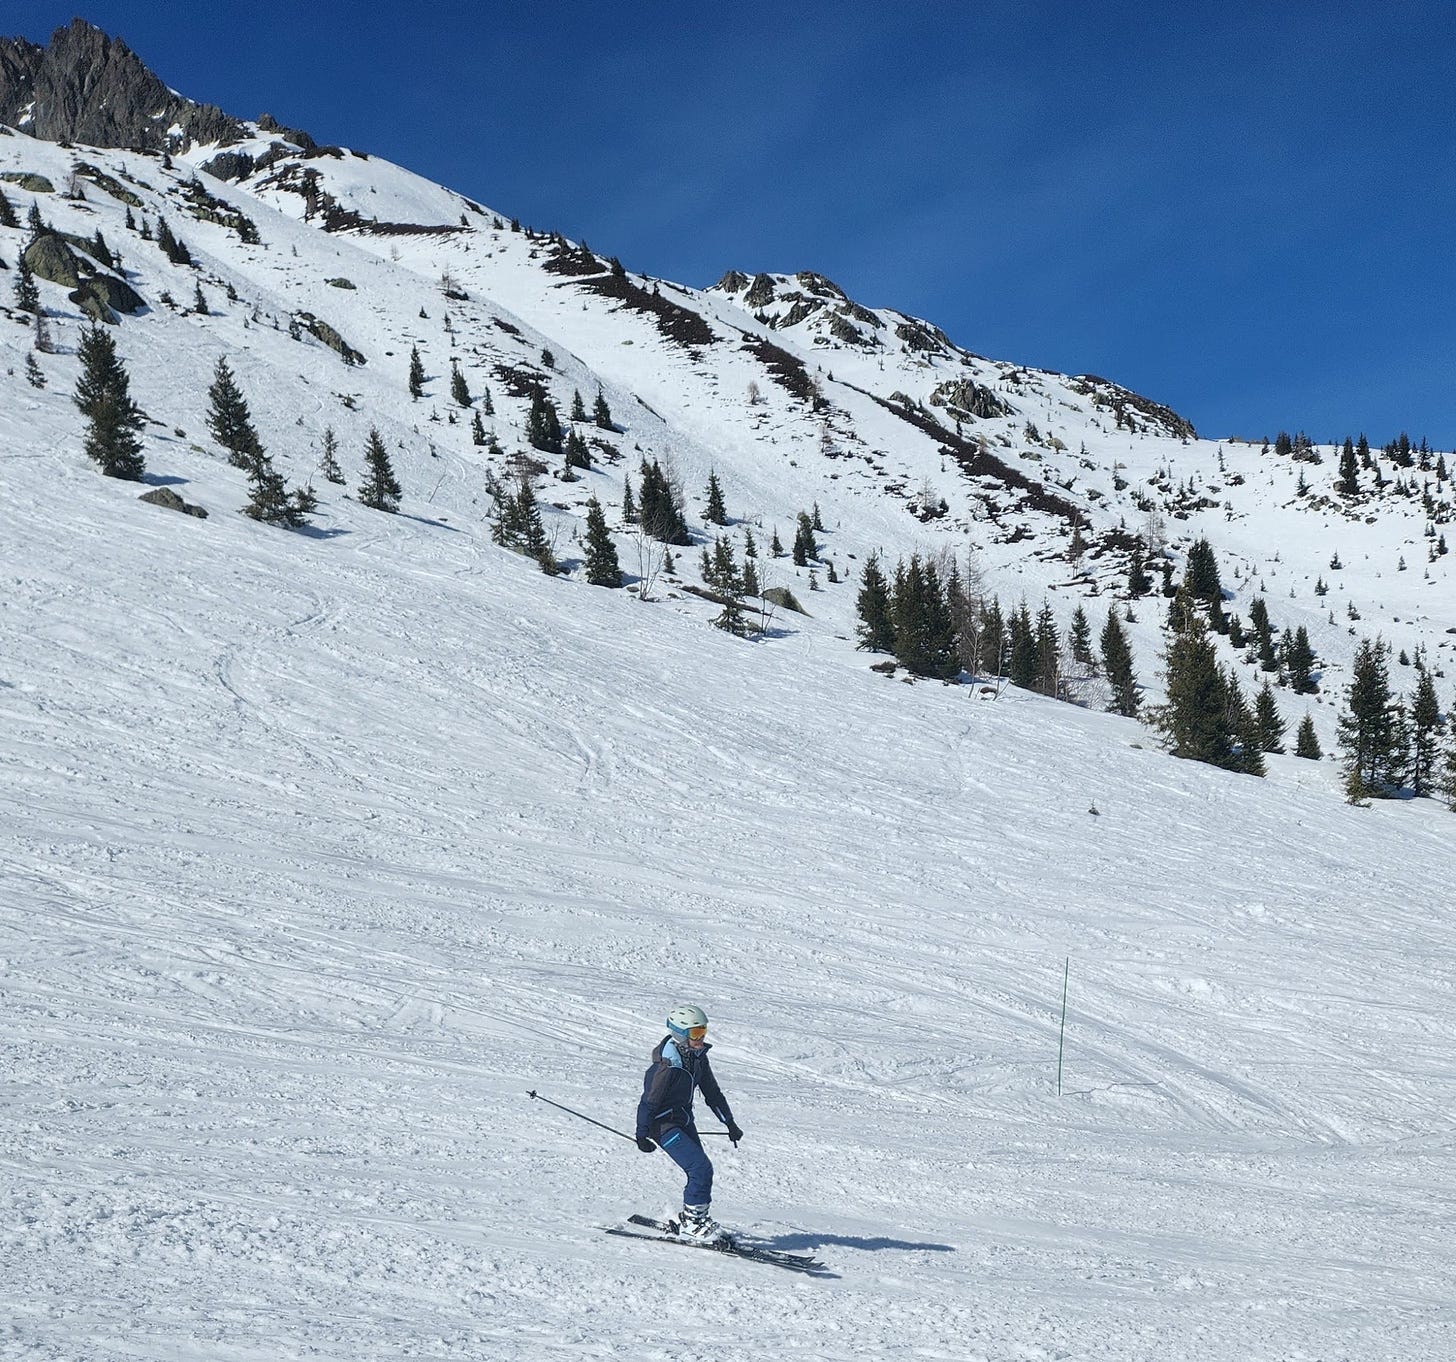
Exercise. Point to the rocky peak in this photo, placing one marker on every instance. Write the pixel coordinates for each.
(91, 88)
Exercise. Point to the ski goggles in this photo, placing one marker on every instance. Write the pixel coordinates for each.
(697, 1032)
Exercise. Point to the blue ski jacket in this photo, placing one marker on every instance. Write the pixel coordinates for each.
(667, 1091)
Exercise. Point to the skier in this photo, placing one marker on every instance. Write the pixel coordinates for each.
(665, 1116)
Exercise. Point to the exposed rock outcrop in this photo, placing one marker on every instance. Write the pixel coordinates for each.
(322, 331)
(31, 184)
(965, 398)
(49, 257)
(165, 496)
(104, 295)
(88, 87)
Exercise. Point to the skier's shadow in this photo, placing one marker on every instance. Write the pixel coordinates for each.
(816, 1241)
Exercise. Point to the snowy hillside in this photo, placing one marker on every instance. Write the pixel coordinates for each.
(322, 848)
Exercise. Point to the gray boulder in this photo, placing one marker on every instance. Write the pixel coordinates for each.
(51, 258)
(785, 599)
(322, 331)
(32, 184)
(166, 497)
(108, 294)
(92, 306)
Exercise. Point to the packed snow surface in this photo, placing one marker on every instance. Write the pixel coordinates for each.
(321, 849)
(320, 853)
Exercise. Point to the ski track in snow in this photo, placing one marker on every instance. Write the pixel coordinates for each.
(281, 955)
(318, 852)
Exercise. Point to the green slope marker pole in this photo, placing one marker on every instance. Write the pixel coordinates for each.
(1062, 1038)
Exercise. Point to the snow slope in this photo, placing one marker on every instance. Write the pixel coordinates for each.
(321, 849)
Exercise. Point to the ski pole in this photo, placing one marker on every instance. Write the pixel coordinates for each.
(570, 1112)
(580, 1117)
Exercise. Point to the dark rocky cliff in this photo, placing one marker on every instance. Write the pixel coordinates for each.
(90, 88)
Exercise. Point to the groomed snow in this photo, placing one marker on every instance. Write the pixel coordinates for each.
(320, 850)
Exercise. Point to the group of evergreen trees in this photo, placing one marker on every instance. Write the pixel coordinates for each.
(518, 523)
(1388, 744)
(231, 424)
(657, 507)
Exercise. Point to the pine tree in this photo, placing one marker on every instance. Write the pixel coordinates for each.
(1081, 637)
(723, 576)
(34, 223)
(1266, 714)
(1048, 652)
(924, 633)
(459, 389)
(7, 212)
(1117, 666)
(103, 396)
(416, 374)
(199, 301)
(34, 374)
(775, 548)
(601, 413)
(805, 548)
(172, 248)
(992, 658)
(1021, 655)
(487, 405)
(543, 425)
(329, 462)
(602, 565)
(876, 629)
(716, 513)
(1300, 661)
(1138, 581)
(477, 430)
(380, 489)
(1368, 731)
(661, 515)
(1306, 741)
(1196, 717)
(1244, 726)
(1202, 574)
(629, 504)
(577, 454)
(269, 499)
(1263, 634)
(750, 578)
(1349, 483)
(530, 532)
(27, 292)
(229, 419)
(1425, 720)
(578, 407)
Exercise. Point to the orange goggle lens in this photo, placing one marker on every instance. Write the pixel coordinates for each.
(697, 1032)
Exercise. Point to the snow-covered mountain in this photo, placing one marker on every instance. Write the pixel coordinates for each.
(322, 847)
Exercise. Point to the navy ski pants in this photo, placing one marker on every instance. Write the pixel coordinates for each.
(685, 1149)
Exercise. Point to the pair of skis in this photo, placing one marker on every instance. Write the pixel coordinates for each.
(733, 1246)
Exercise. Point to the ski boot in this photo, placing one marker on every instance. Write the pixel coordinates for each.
(694, 1224)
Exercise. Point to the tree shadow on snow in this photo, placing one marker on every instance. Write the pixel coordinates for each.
(817, 1241)
(317, 532)
(163, 480)
(426, 520)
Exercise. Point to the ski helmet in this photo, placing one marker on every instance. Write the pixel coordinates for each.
(687, 1023)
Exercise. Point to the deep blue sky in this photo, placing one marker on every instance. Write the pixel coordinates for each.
(1248, 214)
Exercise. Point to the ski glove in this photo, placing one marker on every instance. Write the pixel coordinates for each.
(645, 1145)
(734, 1135)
